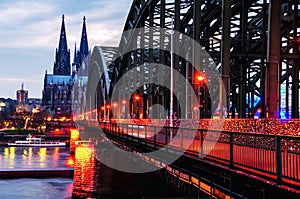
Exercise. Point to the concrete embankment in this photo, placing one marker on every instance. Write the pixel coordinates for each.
(37, 173)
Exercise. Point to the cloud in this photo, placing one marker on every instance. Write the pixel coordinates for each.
(18, 12)
(23, 22)
(30, 34)
(37, 25)
(8, 80)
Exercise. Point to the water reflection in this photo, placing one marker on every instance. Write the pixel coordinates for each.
(49, 188)
(85, 168)
(92, 179)
(34, 157)
(70, 161)
(12, 151)
(43, 156)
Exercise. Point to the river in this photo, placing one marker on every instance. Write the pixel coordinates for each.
(16, 158)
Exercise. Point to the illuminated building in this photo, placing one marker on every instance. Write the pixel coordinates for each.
(57, 92)
(22, 95)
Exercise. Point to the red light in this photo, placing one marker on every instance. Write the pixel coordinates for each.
(70, 161)
(102, 108)
(136, 97)
(107, 106)
(200, 78)
(56, 131)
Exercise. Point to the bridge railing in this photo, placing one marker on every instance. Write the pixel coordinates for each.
(275, 157)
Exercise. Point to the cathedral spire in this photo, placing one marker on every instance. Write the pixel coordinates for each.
(62, 59)
(75, 55)
(76, 58)
(63, 46)
(84, 47)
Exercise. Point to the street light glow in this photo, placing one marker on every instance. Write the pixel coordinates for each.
(200, 78)
(137, 97)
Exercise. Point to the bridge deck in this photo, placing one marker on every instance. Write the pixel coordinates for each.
(269, 158)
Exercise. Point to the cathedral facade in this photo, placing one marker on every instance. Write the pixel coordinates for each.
(57, 91)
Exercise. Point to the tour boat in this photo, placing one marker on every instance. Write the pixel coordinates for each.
(33, 141)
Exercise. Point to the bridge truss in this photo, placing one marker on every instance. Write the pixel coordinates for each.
(253, 43)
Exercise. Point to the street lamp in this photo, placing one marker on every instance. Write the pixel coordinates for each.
(114, 110)
(102, 110)
(108, 112)
(136, 98)
(200, 80)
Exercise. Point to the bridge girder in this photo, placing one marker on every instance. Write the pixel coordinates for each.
(238, 46)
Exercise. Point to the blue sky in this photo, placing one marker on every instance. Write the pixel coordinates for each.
(30, 33)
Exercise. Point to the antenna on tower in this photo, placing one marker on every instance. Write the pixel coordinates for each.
(22, 86)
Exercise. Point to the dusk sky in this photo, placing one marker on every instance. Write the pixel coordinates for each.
(30, 34)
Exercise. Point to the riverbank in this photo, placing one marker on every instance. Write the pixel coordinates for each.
(36, 173)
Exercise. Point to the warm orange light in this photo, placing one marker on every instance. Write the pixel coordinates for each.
(115, 104)
(124, 101)
(74, 134)
(102, 108)
(137, 97)
(70, 161)
(200, 78)
(56, 150)
(108, 106)
(49, 119)
(42, 153)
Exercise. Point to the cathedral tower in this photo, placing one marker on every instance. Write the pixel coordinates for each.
(62, 64)
(84, 47)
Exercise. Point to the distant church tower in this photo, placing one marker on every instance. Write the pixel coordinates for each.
(84, 48)
(22, 95)
(62, 64)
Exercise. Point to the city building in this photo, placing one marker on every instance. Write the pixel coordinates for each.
(34, 104)
(57, 92)
(22, 95)
(25, 104)
(7, 106)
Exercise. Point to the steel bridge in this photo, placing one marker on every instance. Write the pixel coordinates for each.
(252, 44)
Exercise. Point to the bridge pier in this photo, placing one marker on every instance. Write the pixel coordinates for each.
(74, 139)
(93, 179)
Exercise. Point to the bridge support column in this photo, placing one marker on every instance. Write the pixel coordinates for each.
(273, 59)
(225, 55)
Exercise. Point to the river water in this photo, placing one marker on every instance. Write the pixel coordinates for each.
(15, 158)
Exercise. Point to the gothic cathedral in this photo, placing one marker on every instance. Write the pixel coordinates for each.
(58, 86)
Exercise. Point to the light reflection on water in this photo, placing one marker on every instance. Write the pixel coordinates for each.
(36, 158)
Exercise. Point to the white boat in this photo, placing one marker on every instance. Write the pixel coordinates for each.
(33, 141)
